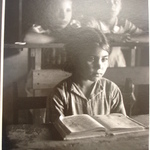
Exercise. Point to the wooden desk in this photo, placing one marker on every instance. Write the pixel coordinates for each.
(40, 137)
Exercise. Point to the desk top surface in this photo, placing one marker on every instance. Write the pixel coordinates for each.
(40, 137)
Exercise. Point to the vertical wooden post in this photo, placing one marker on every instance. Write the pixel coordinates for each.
(133, 56)
(15, 103)
(20, 20)
(138, 57)
(38, 61)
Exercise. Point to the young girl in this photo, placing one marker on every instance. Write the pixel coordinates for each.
(86, 91)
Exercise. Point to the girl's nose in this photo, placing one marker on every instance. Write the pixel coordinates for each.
(99, 63)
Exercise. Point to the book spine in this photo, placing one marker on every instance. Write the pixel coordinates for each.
(63, 127)
(138, 122)
(60, 130)
(113, 133)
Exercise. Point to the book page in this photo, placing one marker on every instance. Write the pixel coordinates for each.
(117, 121)
(79, 123)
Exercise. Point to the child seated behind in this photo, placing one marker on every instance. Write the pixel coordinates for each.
(116, 29)
(86, 91)
(58, 24)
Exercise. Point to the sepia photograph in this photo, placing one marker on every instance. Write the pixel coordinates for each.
(75, 74)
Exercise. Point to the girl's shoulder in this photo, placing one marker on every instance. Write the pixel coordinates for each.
(108, 83)
(64, 83)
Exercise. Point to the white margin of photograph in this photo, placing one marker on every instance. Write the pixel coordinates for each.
(2, 2)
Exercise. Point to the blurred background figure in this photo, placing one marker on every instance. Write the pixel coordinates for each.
(117, 29)
(58, 23)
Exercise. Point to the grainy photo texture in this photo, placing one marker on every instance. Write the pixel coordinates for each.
(75, 70)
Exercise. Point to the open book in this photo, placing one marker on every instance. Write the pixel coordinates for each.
(83, 126)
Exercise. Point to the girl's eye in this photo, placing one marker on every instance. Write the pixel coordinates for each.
(104, 59)
(93, 59)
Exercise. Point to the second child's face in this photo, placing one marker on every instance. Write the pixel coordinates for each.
(110, 9)
(114, 6)
(61, 14)
(92, 65)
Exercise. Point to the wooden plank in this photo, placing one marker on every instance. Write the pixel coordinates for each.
(23, 45)
(43, 79)
(38, 61)
(42, 92)
(61, 45)
(139, 75)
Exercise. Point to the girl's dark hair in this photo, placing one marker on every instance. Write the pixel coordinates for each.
(84, 37)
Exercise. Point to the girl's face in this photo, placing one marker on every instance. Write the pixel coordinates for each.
(93, 64)
(110, 9)
(114, 6)
(60, 13)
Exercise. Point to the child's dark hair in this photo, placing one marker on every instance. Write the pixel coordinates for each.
(84, 37)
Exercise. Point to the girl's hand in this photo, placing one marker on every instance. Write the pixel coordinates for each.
(126, 38)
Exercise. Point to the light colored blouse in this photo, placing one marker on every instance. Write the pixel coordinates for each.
(68, 99)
